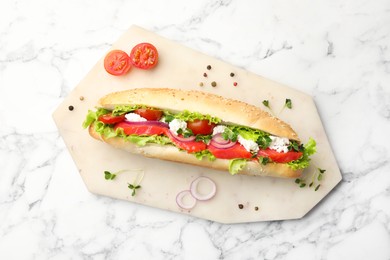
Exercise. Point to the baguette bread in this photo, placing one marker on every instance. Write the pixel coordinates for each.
(230, 111)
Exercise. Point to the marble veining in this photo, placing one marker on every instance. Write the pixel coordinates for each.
(338, 52)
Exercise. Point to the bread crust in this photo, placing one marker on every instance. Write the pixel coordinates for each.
(229, 110)
(172, 153)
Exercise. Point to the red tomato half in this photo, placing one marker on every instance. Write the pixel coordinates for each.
(189, 146)
(149, 114)
(201, 127)
(280, 157)
(110, 119)
(144, 56)
(130, 129)
(117, 62)
(236, 151)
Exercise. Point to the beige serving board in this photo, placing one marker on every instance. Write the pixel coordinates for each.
(181, 67)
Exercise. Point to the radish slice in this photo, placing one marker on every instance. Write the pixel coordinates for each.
(185, 200)
(198, 193)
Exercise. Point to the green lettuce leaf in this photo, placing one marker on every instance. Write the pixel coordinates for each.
(191, 116)
(308, 149)
(92, 116)
(120, 110)
(205, 153)
(236, 165)
(143, 140)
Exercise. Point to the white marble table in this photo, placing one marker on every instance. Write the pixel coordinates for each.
(338, 52)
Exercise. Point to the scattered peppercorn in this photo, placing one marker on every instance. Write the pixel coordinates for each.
(81, 98)
(240, 206)
(71, 108)
(235, 84)
(213, 84)
(201, 84)
(231, 74)
(208, 67)
(256, 208)
(205, 74)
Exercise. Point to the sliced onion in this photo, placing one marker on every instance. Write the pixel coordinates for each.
(154, 123)
(219, 142)
(218, 138)
(199, 196)
(182, 139)
(180, 199)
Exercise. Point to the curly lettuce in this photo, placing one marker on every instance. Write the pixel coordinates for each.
(93, 116)
(191, 116)
(236, 165)
(304, 161)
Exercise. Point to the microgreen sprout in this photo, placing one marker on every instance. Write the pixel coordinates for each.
(136, 183)
(288, 104)
(267, 105)
(315, 179)
(110, 176)
(132, 186)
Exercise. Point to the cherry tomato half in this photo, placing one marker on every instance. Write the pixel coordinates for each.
(280, 157)
(144, 56)
(201, 127)
(117, 62)
(149, 114)
(110, 119)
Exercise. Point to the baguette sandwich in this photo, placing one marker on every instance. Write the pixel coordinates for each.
(199, 128)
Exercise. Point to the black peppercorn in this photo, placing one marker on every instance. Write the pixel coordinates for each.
(205, 74)
(231, 74)
(256, 208)
(71, 108)
(208, 67)
(240, 206)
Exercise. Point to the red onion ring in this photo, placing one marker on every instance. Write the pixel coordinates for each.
(219, 142)
(219, 139)
(154, 123)
(180, 197)
(182, 139)
(202, 197)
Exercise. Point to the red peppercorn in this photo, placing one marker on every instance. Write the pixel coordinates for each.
(235, 84)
